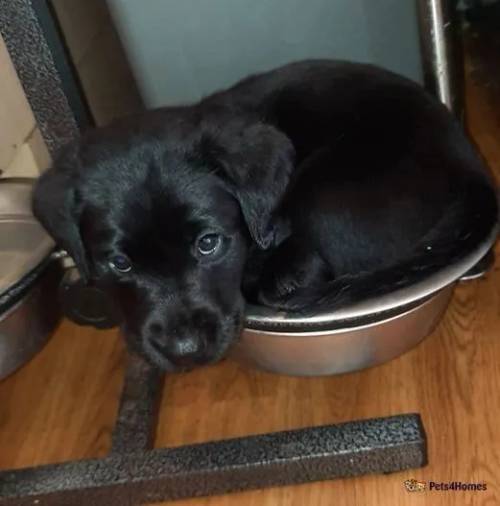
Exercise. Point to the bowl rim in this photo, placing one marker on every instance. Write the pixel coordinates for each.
(398, 301)
(355, 324)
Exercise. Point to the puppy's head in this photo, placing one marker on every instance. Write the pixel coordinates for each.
(162, 220)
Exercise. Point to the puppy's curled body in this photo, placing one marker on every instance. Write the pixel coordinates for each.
(317, 183)
(387, 188)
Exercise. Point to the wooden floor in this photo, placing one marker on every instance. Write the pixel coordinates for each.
(62, 405)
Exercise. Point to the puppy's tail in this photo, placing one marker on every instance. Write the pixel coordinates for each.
(468, 223)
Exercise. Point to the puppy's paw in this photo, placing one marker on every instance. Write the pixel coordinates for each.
(285, 294)
(292, 278)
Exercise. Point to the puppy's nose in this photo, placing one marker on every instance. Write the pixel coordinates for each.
(181, 351)
(186, 351)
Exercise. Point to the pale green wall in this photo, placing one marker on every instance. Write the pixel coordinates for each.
(181, 50)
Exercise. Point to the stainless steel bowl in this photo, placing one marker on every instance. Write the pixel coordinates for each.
(29, 279)
(359, 336)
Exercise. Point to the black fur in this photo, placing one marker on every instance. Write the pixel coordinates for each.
(330, 181)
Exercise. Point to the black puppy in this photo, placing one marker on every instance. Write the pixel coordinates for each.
(318, 182)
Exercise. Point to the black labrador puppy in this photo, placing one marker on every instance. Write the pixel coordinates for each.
(311, 185)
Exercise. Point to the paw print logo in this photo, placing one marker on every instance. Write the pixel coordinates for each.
(413, 485)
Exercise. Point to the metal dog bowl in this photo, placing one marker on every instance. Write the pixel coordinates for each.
(359, 336)
(29, 310)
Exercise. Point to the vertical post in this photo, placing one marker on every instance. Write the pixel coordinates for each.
(441, 52)
(37, 51)
(135, 426)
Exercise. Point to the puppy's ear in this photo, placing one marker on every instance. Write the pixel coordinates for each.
(257, 161)
(57, 206)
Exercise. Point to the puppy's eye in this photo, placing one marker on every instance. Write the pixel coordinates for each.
(209, 244)
(120, 263)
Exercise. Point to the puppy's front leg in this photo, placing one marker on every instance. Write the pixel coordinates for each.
(292, 276)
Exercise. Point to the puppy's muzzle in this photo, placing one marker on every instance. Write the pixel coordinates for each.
(183, 340)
